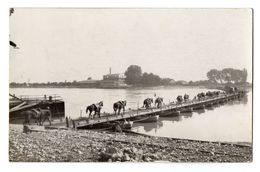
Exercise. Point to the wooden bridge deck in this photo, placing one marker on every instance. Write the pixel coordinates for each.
(130, 114)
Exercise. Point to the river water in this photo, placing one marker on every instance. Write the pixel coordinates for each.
(231, 122)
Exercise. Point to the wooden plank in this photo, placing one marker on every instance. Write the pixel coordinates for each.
(17, 106)
(23, 107)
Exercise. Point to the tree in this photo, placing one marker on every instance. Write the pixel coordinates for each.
(133, 75)
(234, 75)
(244, 75)
(166, 81)
(151, 79)
(227, 75)
(214, 76)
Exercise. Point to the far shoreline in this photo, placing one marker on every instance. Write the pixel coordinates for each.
(248, 86)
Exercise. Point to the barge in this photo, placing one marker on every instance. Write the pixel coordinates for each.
(19, 104)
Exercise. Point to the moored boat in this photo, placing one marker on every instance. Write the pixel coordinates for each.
(151, 118)
(186, 110)
(199, 107)
(170, 113)
(17, 105)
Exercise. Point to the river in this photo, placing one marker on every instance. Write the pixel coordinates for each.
(231, 122)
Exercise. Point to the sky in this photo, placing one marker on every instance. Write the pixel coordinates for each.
(58, 44)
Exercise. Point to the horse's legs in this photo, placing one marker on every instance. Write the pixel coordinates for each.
(49, 119)
(25, 121)
(90, 114)
(29, 117)
(44, 118)
(38, 120)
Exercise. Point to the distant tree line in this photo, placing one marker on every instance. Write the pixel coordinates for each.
(135, 77)
(227, 75)
(74, 84)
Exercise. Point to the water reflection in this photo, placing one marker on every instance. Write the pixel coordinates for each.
(209, 108)
(230, 102)
(217, 105)
(149, 126)
(244, 100)
(172, 119)
(200, 111)
(187, 114)
(240, 101)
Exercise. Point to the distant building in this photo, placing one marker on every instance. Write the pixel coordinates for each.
(116, 80)
(88, 83)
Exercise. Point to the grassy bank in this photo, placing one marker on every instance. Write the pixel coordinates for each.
(91, 146)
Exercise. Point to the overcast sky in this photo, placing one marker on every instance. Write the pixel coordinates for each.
(73, 44)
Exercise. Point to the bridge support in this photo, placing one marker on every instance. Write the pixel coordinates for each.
(199, 107)
(187, 110)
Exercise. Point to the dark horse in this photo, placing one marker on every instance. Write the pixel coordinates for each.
(45, 115)
(201, 96)
(209, 94)
(148, 103)
(179, 99)
(186, 97)
(158, 101)
(31, 114)
(96, 108)
(39, 115)
(119, 105)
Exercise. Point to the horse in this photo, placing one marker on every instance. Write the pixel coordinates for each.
(31, 114)
(94, 107)
(179, 99)
(209, 94)
(216, 93)
(201, 96)
(186, 97)
(147, 103)
(39, 114)
(119, 105)
(45, 114)
(158, 101)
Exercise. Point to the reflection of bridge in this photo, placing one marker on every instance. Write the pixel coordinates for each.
(166, 110)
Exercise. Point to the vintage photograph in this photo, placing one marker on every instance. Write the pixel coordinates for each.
(130, 85)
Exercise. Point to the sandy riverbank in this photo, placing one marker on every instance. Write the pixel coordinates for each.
(92, 146)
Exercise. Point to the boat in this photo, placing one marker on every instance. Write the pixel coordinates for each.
(169, 113)
(186, 110)
(199, 107)
(125, 125)
(144, 119)
(19, 104)
(209, 105)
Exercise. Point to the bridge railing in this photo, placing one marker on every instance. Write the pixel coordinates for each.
(40, 98)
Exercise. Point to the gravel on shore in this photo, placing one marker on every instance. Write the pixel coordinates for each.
(94, 146)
